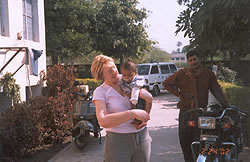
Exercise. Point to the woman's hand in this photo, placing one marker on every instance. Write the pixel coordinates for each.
(140, 115)
(139, 126)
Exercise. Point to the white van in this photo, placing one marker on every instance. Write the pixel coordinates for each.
(155, 73)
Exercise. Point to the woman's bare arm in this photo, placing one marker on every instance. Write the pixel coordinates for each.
(144, 94)
(111, 120)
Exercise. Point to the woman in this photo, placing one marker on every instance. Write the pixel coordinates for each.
(124, 142)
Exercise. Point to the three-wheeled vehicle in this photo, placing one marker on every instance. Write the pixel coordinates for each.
(84, 118)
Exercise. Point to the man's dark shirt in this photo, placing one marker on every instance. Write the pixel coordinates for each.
(192, 89)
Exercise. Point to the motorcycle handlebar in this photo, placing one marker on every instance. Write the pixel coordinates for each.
(242, 113)
(224, 112)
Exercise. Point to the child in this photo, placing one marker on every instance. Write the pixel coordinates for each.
(131, 84)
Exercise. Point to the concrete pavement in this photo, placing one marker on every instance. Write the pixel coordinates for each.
(163, 128)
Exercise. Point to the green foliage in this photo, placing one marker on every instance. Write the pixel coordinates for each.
(113, 27)
(10, 88)
(225, 74)
(68, 28)
(119, 29)
(154, 55)
(238, 96)
(182, 64)
(92, 83)
(217, 25)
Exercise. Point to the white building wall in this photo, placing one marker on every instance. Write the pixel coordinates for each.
(16, 25)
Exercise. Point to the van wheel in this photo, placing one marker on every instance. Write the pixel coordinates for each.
(155, 91)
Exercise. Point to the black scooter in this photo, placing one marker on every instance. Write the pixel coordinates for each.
(84, 118)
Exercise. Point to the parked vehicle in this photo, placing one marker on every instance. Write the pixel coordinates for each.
(155, 73)
(219, 132)
(84, 118)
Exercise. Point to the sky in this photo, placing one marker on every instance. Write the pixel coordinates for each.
(161, 22)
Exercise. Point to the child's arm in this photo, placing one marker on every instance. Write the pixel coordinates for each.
(136, 85)
(135, 95)
(144, 94)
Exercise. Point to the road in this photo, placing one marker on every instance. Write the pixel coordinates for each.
(163, 128)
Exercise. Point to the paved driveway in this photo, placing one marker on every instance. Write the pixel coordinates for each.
(163, 130)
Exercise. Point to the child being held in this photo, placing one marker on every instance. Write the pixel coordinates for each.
(131, 85)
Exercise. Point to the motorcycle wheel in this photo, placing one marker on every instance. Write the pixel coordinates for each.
(82, 141)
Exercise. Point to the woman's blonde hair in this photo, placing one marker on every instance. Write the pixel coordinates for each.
(97, 66)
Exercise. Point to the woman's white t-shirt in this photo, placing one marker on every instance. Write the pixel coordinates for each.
(115, 102)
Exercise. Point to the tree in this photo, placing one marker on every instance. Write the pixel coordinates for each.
(178, 44)
(217, 25)
(68, 28)
(155, 55)
(119, 30)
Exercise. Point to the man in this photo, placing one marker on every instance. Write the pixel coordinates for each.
(192, 85)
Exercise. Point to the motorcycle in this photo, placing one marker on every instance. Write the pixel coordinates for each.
(84, 118)
(220, 133)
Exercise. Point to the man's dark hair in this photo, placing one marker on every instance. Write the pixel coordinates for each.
(193, 53)
(129, 66)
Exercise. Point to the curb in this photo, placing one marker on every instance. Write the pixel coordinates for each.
(60, 152)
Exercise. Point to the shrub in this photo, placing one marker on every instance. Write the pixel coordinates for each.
(19, 134)
(226, 74)
(10, 88)
(181, 64)
(52, 114)
(45, 120)
(60, 79)
(55, 118)
(239, 96)
(236, 95)
(93, 83)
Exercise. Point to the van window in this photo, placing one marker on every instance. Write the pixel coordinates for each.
(164, 69)
(142, 69)
(154, 70)
(172, 68)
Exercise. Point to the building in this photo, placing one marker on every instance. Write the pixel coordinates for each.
(22, 43)
(178, 57)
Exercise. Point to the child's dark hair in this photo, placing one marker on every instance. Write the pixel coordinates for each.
(193, 53)
(129, 66)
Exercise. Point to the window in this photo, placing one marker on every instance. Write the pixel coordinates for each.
(30, 20)
(142, 69)
(182, 58)
(164, 69)
(154, 70)
(172, 68)
(4, 18)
